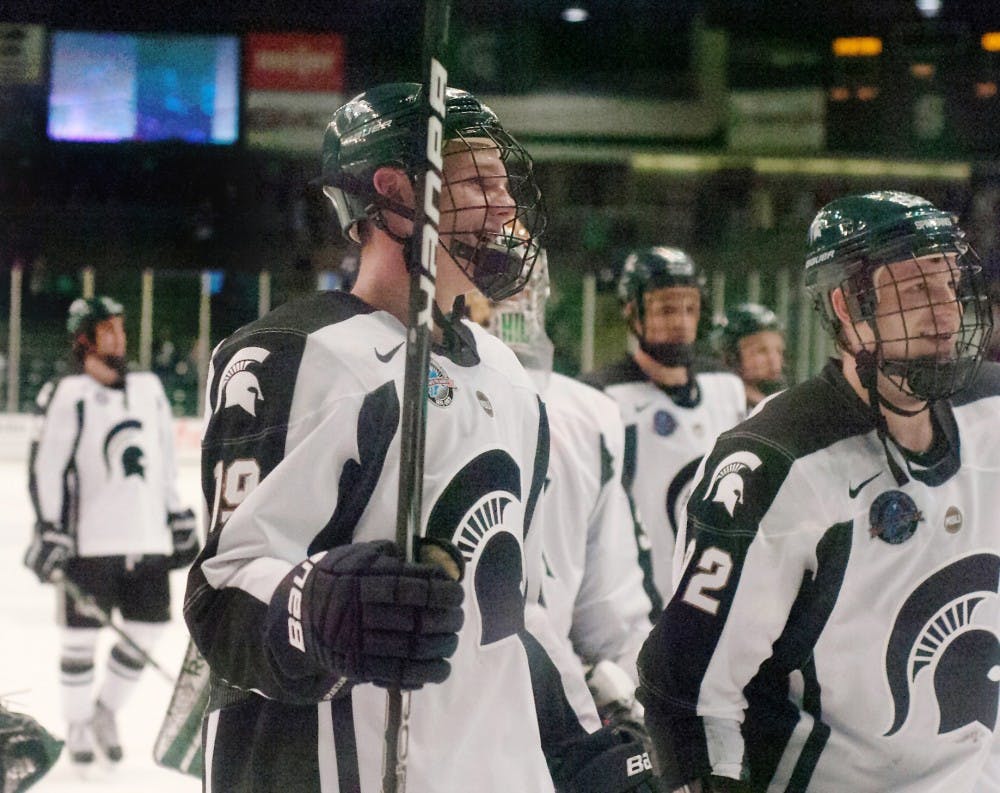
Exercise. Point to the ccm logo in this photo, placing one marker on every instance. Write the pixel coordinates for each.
(638, 763)
(295, 637)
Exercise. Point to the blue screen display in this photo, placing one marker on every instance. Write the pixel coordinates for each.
(109, 87)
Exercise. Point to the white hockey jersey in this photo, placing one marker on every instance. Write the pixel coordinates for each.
(593, 583)
(301, 453)
(664, 442)
(102, 464)
(841, 627)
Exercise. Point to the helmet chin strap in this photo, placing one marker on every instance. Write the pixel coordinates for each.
(867, 369)
(769, 387)
(668, 354)
(457, 342)
(374, 211)
(116, 362)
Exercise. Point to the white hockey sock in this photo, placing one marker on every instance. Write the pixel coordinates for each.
(125, 663)
(76, 672)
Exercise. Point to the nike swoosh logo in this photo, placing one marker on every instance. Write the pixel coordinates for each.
(853, 491)
(385, 358)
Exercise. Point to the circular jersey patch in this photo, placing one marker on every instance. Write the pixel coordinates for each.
(894, 517)
(440, 387)
(663, 423)
(484, 403)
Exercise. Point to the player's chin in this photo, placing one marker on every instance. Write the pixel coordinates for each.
(941, 347)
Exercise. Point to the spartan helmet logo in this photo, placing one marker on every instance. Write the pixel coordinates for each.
(935, 635)
(238, 385)
(728, 479)
(122, 445)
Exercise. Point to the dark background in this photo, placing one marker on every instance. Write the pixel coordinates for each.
(179, 210)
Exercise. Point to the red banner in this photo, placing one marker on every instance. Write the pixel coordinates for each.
(295, 62)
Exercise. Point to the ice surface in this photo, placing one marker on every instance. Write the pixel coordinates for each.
(29, 657)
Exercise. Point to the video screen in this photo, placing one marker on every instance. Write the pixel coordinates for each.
(116, 87)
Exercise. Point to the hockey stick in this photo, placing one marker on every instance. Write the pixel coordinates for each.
(178, 744)
(88, 607)
(421, 266)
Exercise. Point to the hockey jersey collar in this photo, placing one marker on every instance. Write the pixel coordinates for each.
(933, 467)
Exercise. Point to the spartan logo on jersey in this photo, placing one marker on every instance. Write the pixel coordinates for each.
(121, 446)
(679, 493)
(473, 513)
(440, 387)
(239, 386)
(728, 479)
(937, 639)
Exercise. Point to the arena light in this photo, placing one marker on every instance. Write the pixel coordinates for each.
(873, 168)
(929, 9)
(990, 41)
(574, 14)
(986, 90)
(857, 46)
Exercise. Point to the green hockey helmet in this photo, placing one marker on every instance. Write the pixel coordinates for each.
(653, 268)
(851, 238)
(741, 321)
(647, 270)
(385, 126)
(86, 312)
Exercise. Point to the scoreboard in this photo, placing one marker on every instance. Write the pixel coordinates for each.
(917, 92)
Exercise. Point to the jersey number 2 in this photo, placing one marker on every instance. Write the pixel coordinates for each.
(712, 574)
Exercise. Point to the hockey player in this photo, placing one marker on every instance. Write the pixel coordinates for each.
(673, 406)
(751, 341)
(836, 625)
(593, 583)
(109, 518)
(301, 602)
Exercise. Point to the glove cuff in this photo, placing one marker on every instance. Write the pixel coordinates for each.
(620, 768)
(286, 624)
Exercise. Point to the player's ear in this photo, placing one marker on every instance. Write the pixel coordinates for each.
(839, 302)
(392, 183)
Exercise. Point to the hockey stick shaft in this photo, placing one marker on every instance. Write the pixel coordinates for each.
(88, 606)
(413, 417)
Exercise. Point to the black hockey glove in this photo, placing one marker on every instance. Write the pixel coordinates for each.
(606, 761)
(360, 611)
(184, 528)
(49, 551)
